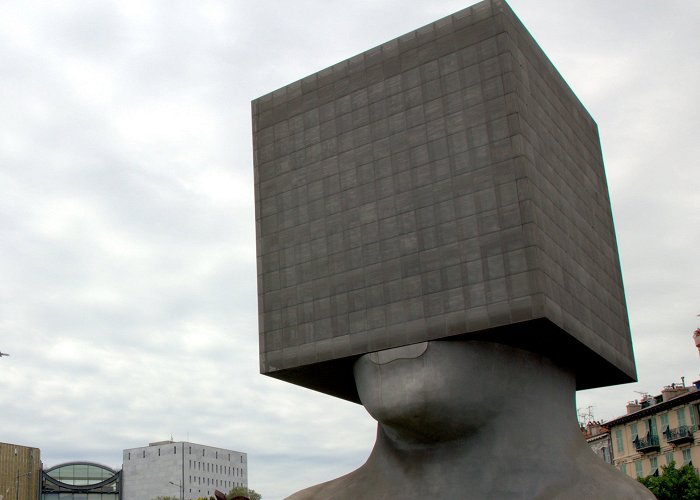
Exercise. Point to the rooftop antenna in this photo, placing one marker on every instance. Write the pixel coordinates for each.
(645, 399)
(585, 415)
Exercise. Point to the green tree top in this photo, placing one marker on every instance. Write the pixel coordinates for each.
(674, 484)
(242, 491)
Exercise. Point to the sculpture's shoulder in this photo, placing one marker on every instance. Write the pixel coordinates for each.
(334, 489)
(620, 490)
(350, 486)
(600, 481)
(305, 494)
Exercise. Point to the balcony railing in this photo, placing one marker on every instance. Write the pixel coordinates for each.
(680, 435)
(646, 444)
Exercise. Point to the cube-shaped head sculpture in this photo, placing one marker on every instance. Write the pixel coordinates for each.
(446, 184)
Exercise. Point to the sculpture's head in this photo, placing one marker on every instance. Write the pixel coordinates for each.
(432, 390)
(444, 390)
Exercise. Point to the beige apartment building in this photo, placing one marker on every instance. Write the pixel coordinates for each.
(657, 431)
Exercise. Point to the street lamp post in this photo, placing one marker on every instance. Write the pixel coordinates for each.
(182, 489)
(17, 482)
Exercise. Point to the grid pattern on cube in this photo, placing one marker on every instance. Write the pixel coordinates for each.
(568, 202)
(392, 207)
(445, 182)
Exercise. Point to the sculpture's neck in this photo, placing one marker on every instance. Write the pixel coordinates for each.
(533, 432)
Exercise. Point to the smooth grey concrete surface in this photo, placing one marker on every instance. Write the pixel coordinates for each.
(150, 471)
(446, 183)
(473, 420)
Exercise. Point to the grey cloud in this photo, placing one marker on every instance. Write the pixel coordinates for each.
(128, 291)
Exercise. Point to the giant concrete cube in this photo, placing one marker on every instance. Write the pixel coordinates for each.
(446, 184)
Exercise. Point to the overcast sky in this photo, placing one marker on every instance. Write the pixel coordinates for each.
(127, 245)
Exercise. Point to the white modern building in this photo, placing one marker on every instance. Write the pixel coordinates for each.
(181, 469)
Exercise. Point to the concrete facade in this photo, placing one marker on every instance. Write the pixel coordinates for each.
(20, 472)
(446, 183)
(150, 471)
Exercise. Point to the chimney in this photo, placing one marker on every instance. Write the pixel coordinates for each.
(633, 406)
(672, 391)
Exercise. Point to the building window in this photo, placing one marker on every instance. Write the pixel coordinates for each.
(686, 456)
(174, 450)
(681, 417)
(669, 457)
(664, 422)
(158, 451)
(654, 461)
(129, 456)
(623, 468)
(144, 453)
(694, 416)
(190, 450)
(651, 427)
(95, 481)
(638, 468)
(633, 430)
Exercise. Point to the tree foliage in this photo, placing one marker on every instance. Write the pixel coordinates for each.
(242, 491)
(674, 484)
